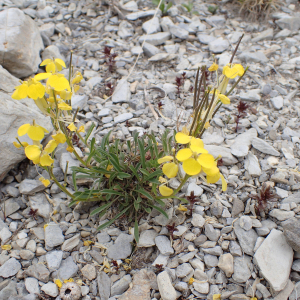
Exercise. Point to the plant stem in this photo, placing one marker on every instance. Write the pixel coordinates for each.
(58, 184)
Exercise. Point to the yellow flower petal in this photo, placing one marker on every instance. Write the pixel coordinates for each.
(64, 106)
(58, 283)
(182, 138)
(50, 68)
(197, 142)
(198, 150)
(165, 191)
(191, 167)
(46, 160)
(165, 159)
(81, 129)
(224, 183)
(50, 147)
(18, 145)
(170, 169)
(211, 171)
(72, 127)
(70, 149)
(87, 243)
(6, 247)
(42, 76)
(66, 95)
(206, 160)
(44, 181)
(32, 92)
(45, 226)
(23, 129)
(240, 69)
(32, 152)
(184, 154)
(59, 137)
(229, 72)
(224, 99)
(191, 281)
(46, 62)
(162, 179)
(213, 67)
(182, 207)
(213, 179)
(36, 133)
(60, 62)
(15, 95)
(22, 90)
(59, 83)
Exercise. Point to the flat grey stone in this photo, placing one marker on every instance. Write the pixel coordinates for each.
(30, 186)
(227, 157)
(71, 243)
(179, 32)
(79, 101)
(104, 285)
(273, 257)
(53, 236)
(240, 147)
(120, 286)
(164, 245)
(264, 147)
(258, 57)
(218, 46)
(54, 259)
(140, 14)
(67, 269)
(205, 38)
(147, 238)
(252, 165)
(39, 272)
(32, 285)
(165, 287)
(150, 50)
(277, 102)
(151, 26)
(122, 92)
(242, 268)
(123, 117)
(155, 38)
(10, 268)
(122, 247)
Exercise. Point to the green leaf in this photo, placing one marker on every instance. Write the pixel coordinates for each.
(160, 210)
(134, 172)
(114, 161)
(88, 133)
(154, 174)
(145, 172)
(181, 199)
(105, 141)
(113, 219)
(101, 208)
(136, 230)
(162, 203)
(145, 193)
(169, 5)
(122, 175)
(136, 205)
(155, 2)
(147, 210)
(154, 180)
(162, 7)
(141, 144)
(112, 192)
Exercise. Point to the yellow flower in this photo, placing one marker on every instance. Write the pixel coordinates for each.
(6, 247)
(213, 67)
(18, 145)
(58, 82)
(72, 127)
(45, 182)
(191, 281)
(64, 106)
(109, 167)
(77, 78)
(162, 180)
(37, 156)
(53, 65)
(233, 70)
(182, 138)
(165, 191)
(66, 95)
(59, 137)
(58, 283)
(69, 280)
(35, 132)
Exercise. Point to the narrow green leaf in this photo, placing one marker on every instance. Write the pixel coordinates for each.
(145, 193)
(111, 192)
(134, 172)
(101, 208)
(160, 210)
(122, 175)
(89, 133)
(136, 230)
(181, 199)
(145, 172)
(162, 203)
(154, 174)
(136, 205)
(147, 209)
(169, 5)
(141, 144)
(113, 219)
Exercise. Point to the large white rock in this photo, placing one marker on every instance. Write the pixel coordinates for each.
(165, 287)
(242, 142)
(13, 114)
(274, 258)
(20, 43)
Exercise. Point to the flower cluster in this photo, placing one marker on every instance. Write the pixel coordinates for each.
(54, 100)
(195, 161)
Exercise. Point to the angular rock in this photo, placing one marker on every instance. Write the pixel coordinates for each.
(121, 92)
(258, 57)
(67, 269)
(291, 23)
(32, 285)
(10, 268)
(264, 147)
(104, 283)
(247, 239)
(54, 259)
(291, 230)
(53, 235)
(140, 14)
(19, 30)
(275, 257)
(50, 289)
(264, 35)
(165, 286)
(71, 243)
(150, 50)
(122, 247)
(218, 46)
(8, 82)
(242, 268)
(281, 215)
(240, 147)
(40, 202)
(155, 38)
(120, 286)
(31, 186)
(89, 272)
(227, 157)
(226, 264)
(151, 26)
(123, 117)
(252, 165)
(39, 272)
(147, 238)
(164, 245)
(67, 157)
(179, 32)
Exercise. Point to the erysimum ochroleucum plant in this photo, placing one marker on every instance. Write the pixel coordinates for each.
(194, 159)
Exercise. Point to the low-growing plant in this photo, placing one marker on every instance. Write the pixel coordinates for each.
(242, 113)
(164, 7)
(109, 57)
(189, 7)
(264, 199)
(258, 8)
(179, 81)
(127, 177)
(213, 9)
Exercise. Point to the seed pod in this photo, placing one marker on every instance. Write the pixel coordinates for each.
(70, 291)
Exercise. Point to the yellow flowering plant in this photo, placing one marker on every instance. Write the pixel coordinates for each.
(192, 157)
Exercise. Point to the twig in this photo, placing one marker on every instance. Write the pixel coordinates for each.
(150, 105)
